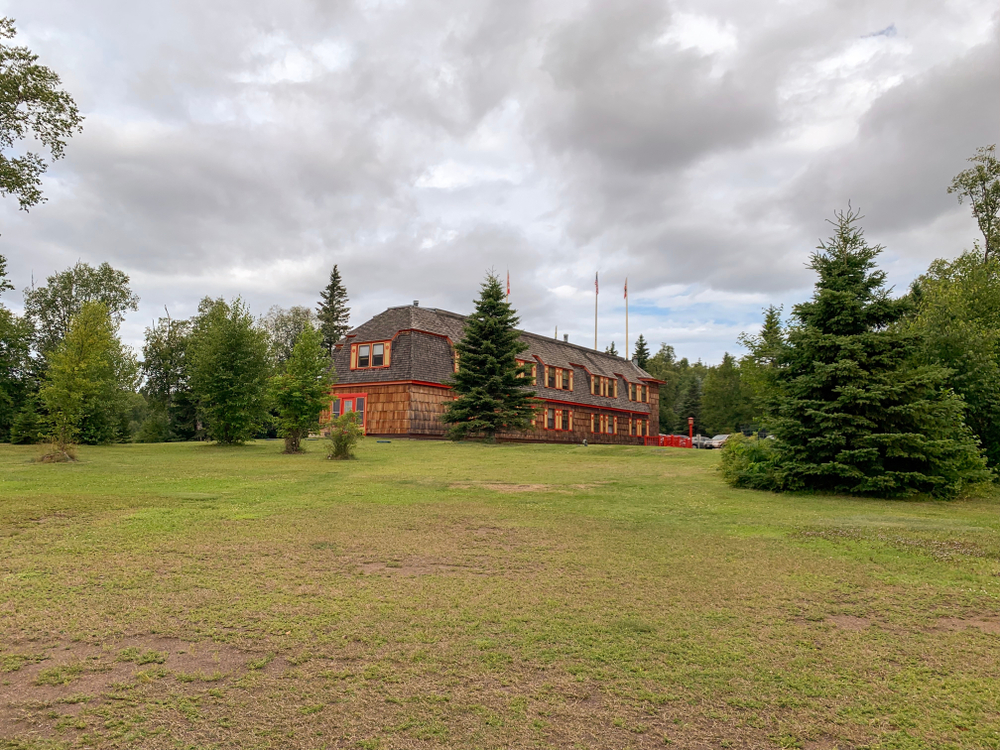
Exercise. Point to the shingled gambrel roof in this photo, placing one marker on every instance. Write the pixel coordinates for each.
(421, 350)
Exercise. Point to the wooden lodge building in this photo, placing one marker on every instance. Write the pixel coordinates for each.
(394, 370)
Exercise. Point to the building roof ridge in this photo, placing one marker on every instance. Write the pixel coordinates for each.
(610, 360)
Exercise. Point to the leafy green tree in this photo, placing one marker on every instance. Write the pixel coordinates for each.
(640, 354)
(166, 370)
(980, 184)
(333, 312)
(852, 412)
(50, 308)
(958, 322)
(611, 350)
(16, 371)
(724, 404)
(32, 107)
(489, 383)
(283, 328)
(229, 370)
(89, 378)
(5, 285)
(301, 390)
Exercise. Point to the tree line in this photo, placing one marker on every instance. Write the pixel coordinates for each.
(66, 377)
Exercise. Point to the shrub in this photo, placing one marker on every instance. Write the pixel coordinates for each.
(345, 432)
(155, 428)
(751, 463)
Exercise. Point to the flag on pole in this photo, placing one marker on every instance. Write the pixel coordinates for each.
(626, 287)
(508, 283)
(596, 289)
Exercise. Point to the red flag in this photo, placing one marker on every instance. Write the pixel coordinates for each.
(596, 289)
(508, 283)
(626, 287)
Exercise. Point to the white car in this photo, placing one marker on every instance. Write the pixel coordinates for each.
(716, 442)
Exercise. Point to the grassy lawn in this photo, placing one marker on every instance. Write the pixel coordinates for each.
(440, 595)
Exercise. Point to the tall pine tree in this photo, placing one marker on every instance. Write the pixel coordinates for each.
(641, 353)
(490, 384)
(333, 312)
(689, 405)
(853, 413)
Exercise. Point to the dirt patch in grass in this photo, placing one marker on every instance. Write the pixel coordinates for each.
(61, 672)
(416, 567)
(957, 623)
(516, 488)
(850, 622)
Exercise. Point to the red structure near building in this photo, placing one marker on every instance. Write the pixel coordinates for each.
(394, 371)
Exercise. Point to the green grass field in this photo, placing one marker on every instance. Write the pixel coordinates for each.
(432, 594)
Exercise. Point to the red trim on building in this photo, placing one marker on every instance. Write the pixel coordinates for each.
(353, 397)
(371, 383)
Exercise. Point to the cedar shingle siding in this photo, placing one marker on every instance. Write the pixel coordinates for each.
(409, 396)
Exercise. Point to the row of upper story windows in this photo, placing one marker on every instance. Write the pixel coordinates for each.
(561, 379)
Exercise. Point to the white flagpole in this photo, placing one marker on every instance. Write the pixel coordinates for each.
(626, 319)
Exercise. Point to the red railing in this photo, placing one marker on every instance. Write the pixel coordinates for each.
(669, 441)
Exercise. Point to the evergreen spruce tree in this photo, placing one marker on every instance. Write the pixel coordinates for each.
(490, 384)
(854, 414)
(689, 405)
(333, 312)
(758, 368)
(641, 353)
(611, 350)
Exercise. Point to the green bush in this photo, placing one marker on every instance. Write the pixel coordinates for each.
(154, 429)
(751, 463)
(345, 432)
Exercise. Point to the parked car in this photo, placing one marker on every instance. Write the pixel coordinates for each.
(716, 442)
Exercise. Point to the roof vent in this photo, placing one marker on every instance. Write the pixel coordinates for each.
(566, 337)
(416, 303)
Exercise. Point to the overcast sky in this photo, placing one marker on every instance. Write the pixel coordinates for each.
(242, 147)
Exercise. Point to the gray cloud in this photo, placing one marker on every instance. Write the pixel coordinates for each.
(245, 147)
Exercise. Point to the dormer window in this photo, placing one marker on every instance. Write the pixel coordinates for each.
(366, 356)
